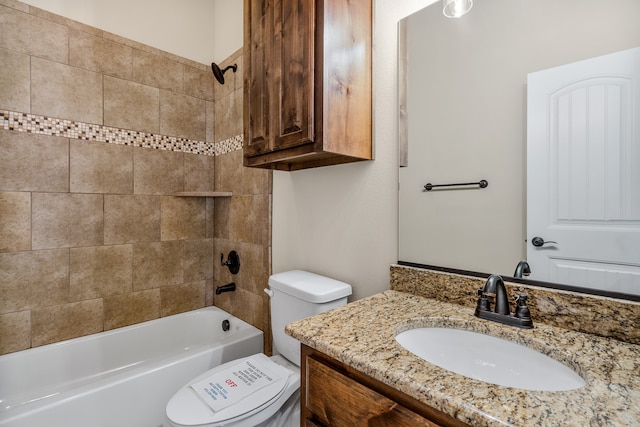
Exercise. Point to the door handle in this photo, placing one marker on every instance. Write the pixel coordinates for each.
(539, 241)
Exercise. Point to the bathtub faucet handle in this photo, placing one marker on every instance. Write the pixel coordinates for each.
(233, 262)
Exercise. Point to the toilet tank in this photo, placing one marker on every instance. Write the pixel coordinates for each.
(298, 294)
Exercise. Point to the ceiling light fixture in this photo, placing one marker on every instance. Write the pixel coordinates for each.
(456, 8)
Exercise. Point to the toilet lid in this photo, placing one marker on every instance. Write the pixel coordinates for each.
(187, 409)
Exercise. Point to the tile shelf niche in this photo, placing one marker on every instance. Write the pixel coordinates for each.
(203, 194)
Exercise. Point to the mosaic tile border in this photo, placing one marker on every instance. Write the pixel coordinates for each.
(43, 125)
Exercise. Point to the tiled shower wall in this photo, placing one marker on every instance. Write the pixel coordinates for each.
(97, 133)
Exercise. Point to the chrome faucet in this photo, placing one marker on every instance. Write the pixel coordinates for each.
(522, 269)
(495, 290)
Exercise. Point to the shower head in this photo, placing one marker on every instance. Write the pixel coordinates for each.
(219, 74)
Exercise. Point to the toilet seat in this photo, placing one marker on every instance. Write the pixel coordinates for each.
(186, 408)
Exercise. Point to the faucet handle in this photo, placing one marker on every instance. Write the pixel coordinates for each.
(522, 311)
(484, 303)
(489, 295)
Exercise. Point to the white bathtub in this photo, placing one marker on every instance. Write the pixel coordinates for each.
(118, 378)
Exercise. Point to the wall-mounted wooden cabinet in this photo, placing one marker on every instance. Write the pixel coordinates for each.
(307, 83)
(334, 394)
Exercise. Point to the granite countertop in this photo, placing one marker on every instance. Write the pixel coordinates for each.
(361, 335)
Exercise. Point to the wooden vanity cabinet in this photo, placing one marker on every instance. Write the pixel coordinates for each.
(334, 394)
(307, 83)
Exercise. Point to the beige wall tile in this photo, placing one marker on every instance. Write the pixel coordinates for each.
(208, 293)
(98, 54)
(157, 264)
(256, 181)
(31, 162)
(181, 298)
(128, 309)
(33, 279)
(243, 304)
(80, 289)
(67, 220)
(35, 36)
(15, 330)
(15, 4)
(198, 172)
(254, 265)
(15, 221)
(198, 260)
(154, 70)
(183, 218)
(62, 91)
(222, 218)
(198, 83)
(100, 271)
(59, 19)
(252, 276)
(98, 167)
(157, 171)
(182, 116)
(130, 105)
(239, 60)
(248, 217)
(14, 81)
(211, 204)
(131, 219)
(228, 172)
(232, 176)
(210, 121)
(228, 116)
(62, 322)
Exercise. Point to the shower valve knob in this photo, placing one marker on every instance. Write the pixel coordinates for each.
(233, 262)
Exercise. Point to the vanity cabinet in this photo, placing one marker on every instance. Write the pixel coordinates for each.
(307, 83)
(334, 394)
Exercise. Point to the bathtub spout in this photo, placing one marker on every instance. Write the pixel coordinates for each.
(226, 288)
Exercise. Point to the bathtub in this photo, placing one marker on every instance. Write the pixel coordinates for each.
(123, 377)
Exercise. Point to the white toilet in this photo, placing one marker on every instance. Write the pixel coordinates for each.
(294, 295)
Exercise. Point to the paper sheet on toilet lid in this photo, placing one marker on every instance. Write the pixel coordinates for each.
(226, 388)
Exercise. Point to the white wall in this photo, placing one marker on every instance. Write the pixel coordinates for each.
(228, 32)
(200, 30)
(341, 221)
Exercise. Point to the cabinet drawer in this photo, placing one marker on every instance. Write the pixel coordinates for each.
(337, 400)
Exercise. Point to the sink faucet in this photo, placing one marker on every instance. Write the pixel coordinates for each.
(522, 269)
(495, 290)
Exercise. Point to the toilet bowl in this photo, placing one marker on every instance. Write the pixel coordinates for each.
(259, 390)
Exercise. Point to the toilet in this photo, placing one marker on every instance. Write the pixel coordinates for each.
(267, 389)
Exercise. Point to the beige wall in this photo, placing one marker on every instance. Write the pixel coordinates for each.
(96, 134)
(342, 221)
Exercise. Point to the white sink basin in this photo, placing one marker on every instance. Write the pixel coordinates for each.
(489, 359)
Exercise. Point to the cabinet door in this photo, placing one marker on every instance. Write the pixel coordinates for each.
(278, 86)
(337, 400)
(258, 29)
(293, 65)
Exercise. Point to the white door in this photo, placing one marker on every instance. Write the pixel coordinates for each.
(583, 173)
